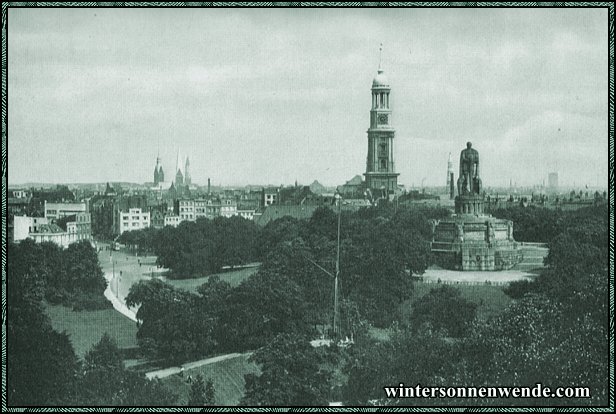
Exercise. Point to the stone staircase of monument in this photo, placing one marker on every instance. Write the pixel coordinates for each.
(533, 255)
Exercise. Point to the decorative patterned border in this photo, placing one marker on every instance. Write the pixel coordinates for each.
(5, 7)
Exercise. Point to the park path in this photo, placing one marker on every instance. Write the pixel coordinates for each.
(162, 373)
(118, 304)
(121, 271)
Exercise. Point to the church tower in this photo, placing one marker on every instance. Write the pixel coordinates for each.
(179, 177)
(156, 179)
(381, 176)
(187, 179)
(159, 176)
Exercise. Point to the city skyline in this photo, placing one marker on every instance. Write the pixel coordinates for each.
(279, 95)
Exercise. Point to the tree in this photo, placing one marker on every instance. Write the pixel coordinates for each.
(200, 248)
(171, 323)
(196, 396)
(444, 308)
(210, 392)
(106, 381)
(83, 268)
(421, 357)
(533, 341)
(41, 364)
(235, 244)
(278, 231)
(104, 354)
(291, 374)
(373, 271)
(261, 307)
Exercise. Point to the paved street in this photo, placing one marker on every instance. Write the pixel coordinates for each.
(162, 373)
(433, 275)
(122, 270)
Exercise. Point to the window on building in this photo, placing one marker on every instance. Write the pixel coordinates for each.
(383, 149)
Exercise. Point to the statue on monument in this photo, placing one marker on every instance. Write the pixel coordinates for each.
(468, 180)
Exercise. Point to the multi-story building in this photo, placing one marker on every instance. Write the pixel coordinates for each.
(134, 219)
(18, 206)
(185, 208)
(202, 208)
(54, 211)
(172, 221)
(157, 219)
(24, 225)
(78, 226)
(248, 214)
(19, 193)
(69, 229)
(207, 208)
(270, 196)
(228, 208)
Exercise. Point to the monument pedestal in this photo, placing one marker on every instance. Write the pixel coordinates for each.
(470, 204)
(471, 239)
(475, 242)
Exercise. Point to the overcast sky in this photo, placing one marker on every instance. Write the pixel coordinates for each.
(273, 96)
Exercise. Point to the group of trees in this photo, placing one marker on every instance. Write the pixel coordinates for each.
(177, 325)
(200, 248)
(42, 368)
(555, 332)
(71, 277)
(293, 373)
(292, 293)
(380, 248)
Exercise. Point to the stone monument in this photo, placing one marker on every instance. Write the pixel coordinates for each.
(471, 239)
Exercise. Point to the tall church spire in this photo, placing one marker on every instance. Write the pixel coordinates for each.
(158, 170)
(179, 177)
(187, 179)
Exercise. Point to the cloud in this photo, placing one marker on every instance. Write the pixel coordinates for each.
(273, 95)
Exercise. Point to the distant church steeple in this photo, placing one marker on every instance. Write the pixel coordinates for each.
(179, 177)
(187, 179)
(159, 175)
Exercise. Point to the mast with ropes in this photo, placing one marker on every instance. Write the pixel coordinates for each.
(336, 330)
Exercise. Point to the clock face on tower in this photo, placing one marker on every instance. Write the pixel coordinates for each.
(382, 118)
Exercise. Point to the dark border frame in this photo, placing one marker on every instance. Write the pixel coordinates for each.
(608, 5)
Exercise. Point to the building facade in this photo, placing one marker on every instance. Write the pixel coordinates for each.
(70, 229)
(54, 211)
(134, 219)
(185, 209)
(172, 221)
(269, 196)
(78, 226)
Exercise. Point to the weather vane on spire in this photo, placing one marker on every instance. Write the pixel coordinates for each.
(380, 55)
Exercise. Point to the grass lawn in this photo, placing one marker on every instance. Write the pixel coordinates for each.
(234, 277)
(87, 327)
(491, 300)
(227, 376)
